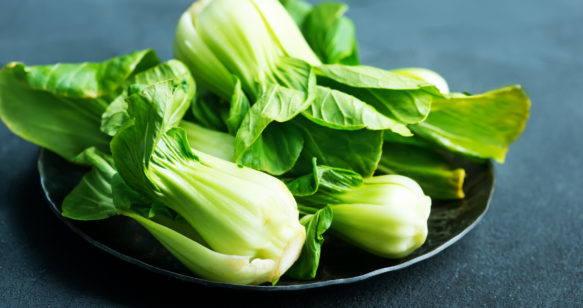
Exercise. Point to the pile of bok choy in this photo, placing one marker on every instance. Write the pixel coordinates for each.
(262, 135)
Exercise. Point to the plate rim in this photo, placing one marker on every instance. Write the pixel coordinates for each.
(269, 288)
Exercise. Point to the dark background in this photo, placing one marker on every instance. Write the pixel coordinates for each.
(526, 251)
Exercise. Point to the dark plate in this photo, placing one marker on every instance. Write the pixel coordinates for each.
(125, 239)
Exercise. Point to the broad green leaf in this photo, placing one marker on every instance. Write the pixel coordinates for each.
(399, 97)
(92, 198)
(154, 110)
(325, 178)
(330, 34)
(480, 126)
(59, 106)
(306, 267)
(276, 104)
(63, 125)
(338, 110)
(276, 150)
(295, 74)
(238, 108)
(434, 172)
(115, 116)
(89, 80)
(358, 150)
(322, 186)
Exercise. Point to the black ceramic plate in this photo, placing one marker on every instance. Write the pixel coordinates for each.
(125, 239)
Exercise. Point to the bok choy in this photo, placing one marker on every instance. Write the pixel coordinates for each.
(281, 98)
(236, 211)
(223, 222)
(255, 45)
(385, 215)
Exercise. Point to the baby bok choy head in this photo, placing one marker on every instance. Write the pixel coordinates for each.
(387, 216)
(239, 213)
(384, 215)
(247, 38)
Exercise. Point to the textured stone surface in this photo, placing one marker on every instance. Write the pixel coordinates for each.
(527, 250)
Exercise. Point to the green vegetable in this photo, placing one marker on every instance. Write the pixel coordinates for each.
(316, 224)
(274, 100)
(331, 35)
(224, 222)
(401, 98)
(385, 215)
(325, 186)
(237, 211)
(434, 172)
(217, 144)
(273, 148)
(259, 43)
(249, 38)
(481, 125)
(358, 150)
(92, 198)
(102, 193)
(59, 106)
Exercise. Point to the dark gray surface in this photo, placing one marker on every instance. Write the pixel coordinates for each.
(528, 250)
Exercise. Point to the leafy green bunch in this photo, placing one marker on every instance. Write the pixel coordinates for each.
(121, 117)
(289, 87)
(283, 139)
(289, 90)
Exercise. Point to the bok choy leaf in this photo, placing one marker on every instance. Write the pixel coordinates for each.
(59, 106)
(481, 126)
(330, 34)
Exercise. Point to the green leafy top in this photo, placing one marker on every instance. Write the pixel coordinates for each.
(115, 116)
(59, 106)
(480, 126)
(330, 34)
(134, 145)
(362, 76)
(87, 79)
(253, 142)
(401, 98)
